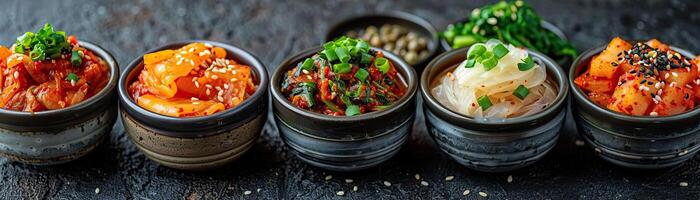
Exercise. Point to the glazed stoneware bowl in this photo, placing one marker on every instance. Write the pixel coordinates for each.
(632, 141)
(196, 143)
(407, 20)
(493, 145)
(59, 136)
(344, 143)
(545, 24)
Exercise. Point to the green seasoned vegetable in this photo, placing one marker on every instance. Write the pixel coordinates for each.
(521, 92)
(45, 43)
(513, 22)
(308, 64)
(352, 110)
(484, 102)
(361, 74)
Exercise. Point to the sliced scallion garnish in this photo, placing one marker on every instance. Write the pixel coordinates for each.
(484, 102)
(521, 92)
(527, 64)
(382, 64)
(352, 110)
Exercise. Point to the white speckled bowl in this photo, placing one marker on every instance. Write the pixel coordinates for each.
(58, 136)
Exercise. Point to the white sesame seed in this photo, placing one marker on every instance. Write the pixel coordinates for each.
(208, 45)
(97, 190)
(349, 180)
(449, 178)
(214, 77)
(666, 76)
(195, 103)
(492, 21)
(354, 188)
(683, 184)
(225, 86)
(387, 183)
(305, 71)
(674, 74)
(329, 177)
(483, 194)
(196, 84)
(657, 85)
(258, 190)
(208, 86)
(466, 192)
(417, 176)
(220, 93)
(689, 86)
(682, 152)
(247, 192)
(510, 179)
(16, 74)
(208, 92)
(424, 183)
(308, 77)
(340, 193)
(653, 114)
(194, 99)
(220, 98)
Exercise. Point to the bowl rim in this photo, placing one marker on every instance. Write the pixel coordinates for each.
(433, 44)
(113, 79)
(550, 65)
(544, 23)
(578, 94)
(410, 78)
(256, 65)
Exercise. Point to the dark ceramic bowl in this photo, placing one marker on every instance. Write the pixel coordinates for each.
(58, 136)
(196, 143)
(493, 145)
(344, 143)
(546, 25)
(409, 21)
(632, 141)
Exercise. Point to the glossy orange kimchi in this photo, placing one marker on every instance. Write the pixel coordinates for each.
(48, 70)
(195, 80)
(642, 79)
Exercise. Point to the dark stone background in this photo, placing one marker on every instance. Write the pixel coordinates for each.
(274, 30)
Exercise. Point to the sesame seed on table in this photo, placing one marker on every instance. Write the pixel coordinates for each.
(274, 30)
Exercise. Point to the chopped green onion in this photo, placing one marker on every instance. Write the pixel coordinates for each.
(527, 64)
(308, 64)
(342, 68)
(476, 51)
(484, 102)
(76, 59)
(366, 58)
(72, 77)
(329, 51)
(499, 51)
(45, 43)
(521, 92)
(463, 41)
(352, 110)
(362, 45)
(470, 63)
(382, 64)
(489, 63)
(342, 53)
(361, 74)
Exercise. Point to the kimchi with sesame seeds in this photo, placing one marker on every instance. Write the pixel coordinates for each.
(49, 70)
(195, 80)
(642, 79)
(345, 78)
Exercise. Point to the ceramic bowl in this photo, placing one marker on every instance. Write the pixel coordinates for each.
(493, 145)
(632, 141)
(196, 143)
(344, 143)
(407, 20)
(59, 136)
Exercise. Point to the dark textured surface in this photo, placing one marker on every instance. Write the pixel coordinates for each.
(275, 30)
